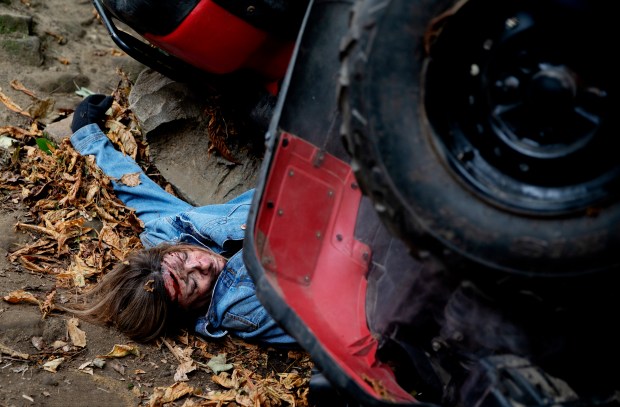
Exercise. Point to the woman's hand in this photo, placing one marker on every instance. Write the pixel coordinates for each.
(91, 110)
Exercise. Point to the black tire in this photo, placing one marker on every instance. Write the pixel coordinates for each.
(424, 100)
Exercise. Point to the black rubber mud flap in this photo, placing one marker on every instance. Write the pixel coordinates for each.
(483, 130)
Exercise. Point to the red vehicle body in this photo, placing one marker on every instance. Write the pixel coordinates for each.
(437, 214)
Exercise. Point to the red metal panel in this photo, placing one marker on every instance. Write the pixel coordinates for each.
(306, 244)
(217, 41)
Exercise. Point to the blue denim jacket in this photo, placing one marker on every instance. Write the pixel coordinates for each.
(234, 307)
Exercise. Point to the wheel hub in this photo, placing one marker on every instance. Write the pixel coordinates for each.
(520, 103)
(552, 92)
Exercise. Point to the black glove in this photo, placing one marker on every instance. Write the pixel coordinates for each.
(91, 110)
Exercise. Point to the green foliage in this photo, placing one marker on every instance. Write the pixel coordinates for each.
(84, 92)
(45, 145)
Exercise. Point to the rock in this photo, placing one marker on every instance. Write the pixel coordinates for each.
(16, 40)
(181, 155)
(172, 118)
(59, 130)
(15, 24)
(157, 100)
(26, 50)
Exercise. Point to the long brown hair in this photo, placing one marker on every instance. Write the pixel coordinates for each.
(132, 297)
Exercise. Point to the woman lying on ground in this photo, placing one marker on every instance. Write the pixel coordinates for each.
(191, 269)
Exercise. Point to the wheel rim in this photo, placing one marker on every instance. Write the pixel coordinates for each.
(519, 97)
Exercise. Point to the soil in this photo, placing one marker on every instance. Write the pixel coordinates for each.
(64, 47)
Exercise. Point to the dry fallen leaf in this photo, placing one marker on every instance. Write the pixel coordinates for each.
(48, 305)
(18, 132)
(120, 351)
(79, 270)
(148, 286)
(41, 108)
(118, 367)
(59, 344)
(163, 395)
(122, 137)
(59, 38)
(218, 364)
(53, 364)
(218, 130)
(78, 337)
(13, 353)
(228, 395)
(17, 85)
(131, 180)
(86, 368)
(37, 342)
(12, 105)
(226, 380)
(291, 380)
(98, 362)
(19, 296)
(108, 235)
(84, 365)
(183, 369)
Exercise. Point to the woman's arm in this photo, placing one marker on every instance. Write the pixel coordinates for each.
(148, 199)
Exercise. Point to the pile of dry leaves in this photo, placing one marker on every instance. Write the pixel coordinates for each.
(79, 230)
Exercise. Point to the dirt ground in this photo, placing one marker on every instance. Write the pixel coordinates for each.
(52, 49)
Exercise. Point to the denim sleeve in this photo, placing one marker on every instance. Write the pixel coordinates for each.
(149, 200)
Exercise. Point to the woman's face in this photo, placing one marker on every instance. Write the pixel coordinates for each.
(189, 276)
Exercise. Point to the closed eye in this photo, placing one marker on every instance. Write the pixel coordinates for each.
(193, 285)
